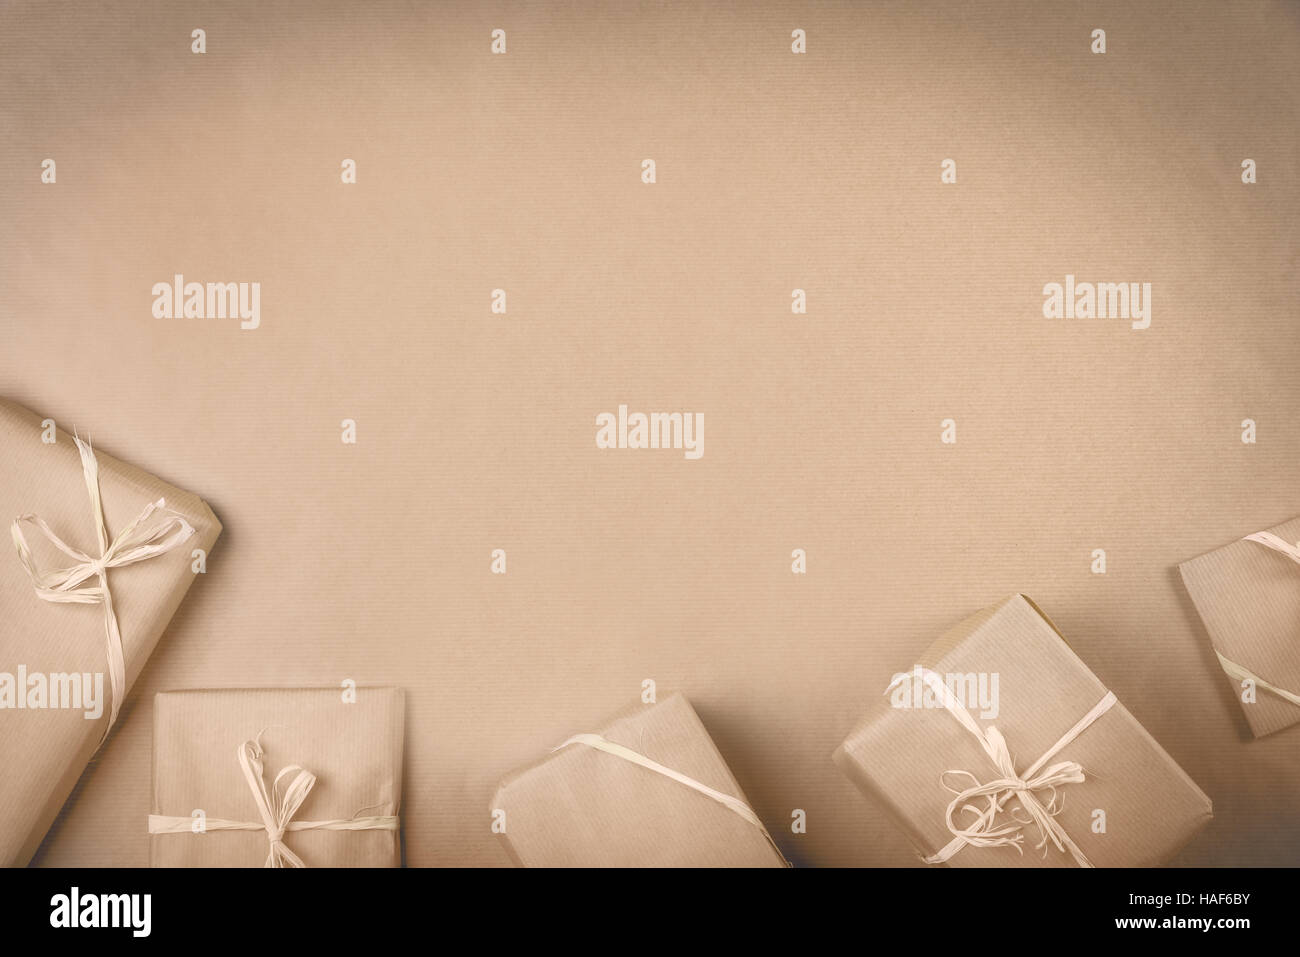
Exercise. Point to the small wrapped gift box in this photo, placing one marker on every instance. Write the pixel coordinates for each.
(277, 778)
(1248, 596)
(648, 789)
(1000, 748)
(102, 555)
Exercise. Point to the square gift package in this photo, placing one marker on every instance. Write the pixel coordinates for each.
(56, 632)
(648, 789)
(329, 771)
(1036, 718)
(1248, 596)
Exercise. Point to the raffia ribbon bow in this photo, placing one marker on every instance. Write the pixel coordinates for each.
(276, 806)
(1239, 672)
(138, 542)
(983, 829)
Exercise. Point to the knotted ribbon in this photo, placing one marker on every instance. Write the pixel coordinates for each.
(730, 802)
(1236, 671)
(138, 542)
(984, 831)
(276, 806)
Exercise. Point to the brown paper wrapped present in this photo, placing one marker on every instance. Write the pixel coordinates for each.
(102, 555)
(649, 789)
(277, 777)
(1001, 748)
(1248, 596)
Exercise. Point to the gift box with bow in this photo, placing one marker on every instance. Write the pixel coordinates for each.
(102, 555)
(1248, 595)
(298, 777)
(1049, 769)
(646, 789)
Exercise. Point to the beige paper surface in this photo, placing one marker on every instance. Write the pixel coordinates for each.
(354, 749)
(897, 755)
(43, 752)
(475, 430)
(581, 807)
(1248, 596)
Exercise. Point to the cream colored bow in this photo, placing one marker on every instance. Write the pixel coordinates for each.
(138, 542)
(276, 807)
(983, 830)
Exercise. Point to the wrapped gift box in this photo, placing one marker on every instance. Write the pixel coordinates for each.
(206, 812)
(1248, 596)
(581, 806)
(913, 755)
(44, 749)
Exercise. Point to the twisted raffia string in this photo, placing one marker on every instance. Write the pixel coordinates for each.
(983, 831)
(276, 807)
(1238, 672)
(728, 801)
(138, 542)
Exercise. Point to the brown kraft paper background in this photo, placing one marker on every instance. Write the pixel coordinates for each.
(476, 431)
